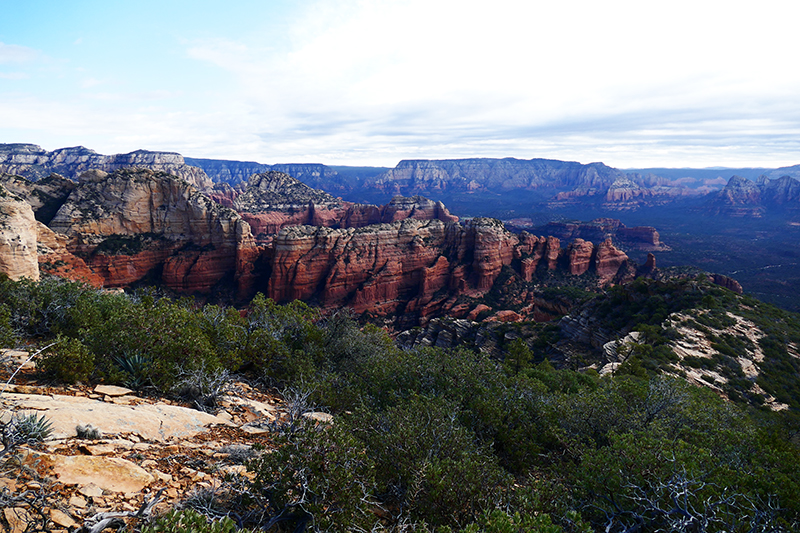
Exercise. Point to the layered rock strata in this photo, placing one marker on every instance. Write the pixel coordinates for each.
(419, 267)
(45, 196)
(745, 198)
(639, 237)
(33, 162)
(18, 256)
(115, 230)
(136, 222)
(274, 200)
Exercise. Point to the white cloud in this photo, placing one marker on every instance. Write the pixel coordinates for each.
(14, 53)
(14, 76)
(356, 81)
(453, 70)
(88, 83)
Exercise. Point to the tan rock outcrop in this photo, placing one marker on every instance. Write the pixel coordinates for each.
(18, 255)
(111, 474)
(580, 256)
(126, 224)
(158, 422)
(608, 260)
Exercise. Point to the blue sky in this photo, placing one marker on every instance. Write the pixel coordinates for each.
(629, 83)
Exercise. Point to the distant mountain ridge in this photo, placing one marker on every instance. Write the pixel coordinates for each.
(473, 186)
(335, 180)
(424, 176)
(33, 162)
(745, 198)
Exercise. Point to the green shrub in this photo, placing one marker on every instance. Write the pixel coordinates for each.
(190, 521)
(428, 462)
(319, 477)
(68, 360)
(8, 337)
(497, 521)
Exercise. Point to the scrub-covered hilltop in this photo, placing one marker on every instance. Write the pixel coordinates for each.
(422, 439)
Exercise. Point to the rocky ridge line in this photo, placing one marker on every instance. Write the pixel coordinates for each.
(33, 163)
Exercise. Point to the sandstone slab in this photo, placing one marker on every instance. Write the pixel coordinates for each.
(17, 518)
(158, 422)
(112, 390)
(18, 254)
(108, 473)
(60, 518)
(91, 491)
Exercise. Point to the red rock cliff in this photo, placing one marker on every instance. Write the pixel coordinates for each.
(134, 222)
(417, 266)
(274, 200)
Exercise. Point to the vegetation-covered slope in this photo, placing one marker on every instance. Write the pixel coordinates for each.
(453, 440)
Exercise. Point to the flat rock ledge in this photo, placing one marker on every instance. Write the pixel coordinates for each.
(158, 422)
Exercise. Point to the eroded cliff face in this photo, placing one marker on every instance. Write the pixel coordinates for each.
(33, 162)
(236, 173)
(558, 183)
(45, 196)
(409, 258)
(54, 258)
(407, 266)
(274, 200)
(18, 256)
(744, 198)
(644, 238)
(134, 223)
(430, 176)
(421, 267)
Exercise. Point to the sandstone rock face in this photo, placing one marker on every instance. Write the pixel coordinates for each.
(639, 237)
(223, 194)
(580, 256)
(18, 255)
(275, 190)
(125, 224)
(238, 172)
(740, 198)
(387, 268)
(608, 260)
(728, 283)
(642, 238)
(54, 258)
(427, 177)
(44, 196)
(410, 256)
(417, 267)
(274, 200)
(416, 207)
(559, 183)
(33, 162)
(744, 198)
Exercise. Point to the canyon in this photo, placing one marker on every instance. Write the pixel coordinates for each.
(410, 257)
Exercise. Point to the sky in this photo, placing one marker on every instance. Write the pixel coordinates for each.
(351, 82)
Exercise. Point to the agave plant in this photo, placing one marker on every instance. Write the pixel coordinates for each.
(32, 427)
(24, 429)
(135, 367)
